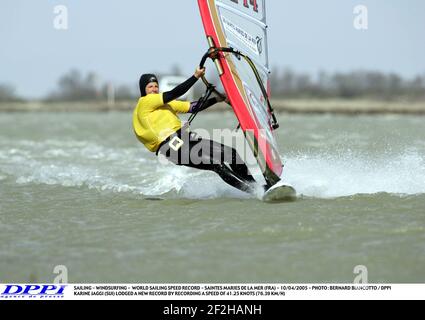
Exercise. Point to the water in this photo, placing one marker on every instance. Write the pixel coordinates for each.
(77, 189)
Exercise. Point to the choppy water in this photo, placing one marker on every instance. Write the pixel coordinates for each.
(76, 189)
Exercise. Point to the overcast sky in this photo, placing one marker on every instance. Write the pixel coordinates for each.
(122, 39)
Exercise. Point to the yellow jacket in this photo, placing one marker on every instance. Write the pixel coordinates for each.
(154, 121)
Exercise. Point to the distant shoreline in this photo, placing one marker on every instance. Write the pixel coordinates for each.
(302, 106)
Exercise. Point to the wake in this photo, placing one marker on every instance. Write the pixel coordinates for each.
(89, 165)
(327, 176)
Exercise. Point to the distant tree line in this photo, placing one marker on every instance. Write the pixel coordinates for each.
(7, 93)
(350, 85)
(285, 83)
(74, 86)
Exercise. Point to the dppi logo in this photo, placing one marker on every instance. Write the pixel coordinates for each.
(33, 291)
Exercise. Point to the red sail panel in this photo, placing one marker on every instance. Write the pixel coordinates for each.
(246, 99)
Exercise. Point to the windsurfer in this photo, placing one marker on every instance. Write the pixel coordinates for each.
(158, 127)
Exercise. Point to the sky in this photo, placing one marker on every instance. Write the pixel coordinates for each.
(119, 40)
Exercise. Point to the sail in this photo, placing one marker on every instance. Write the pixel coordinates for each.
(241, 25)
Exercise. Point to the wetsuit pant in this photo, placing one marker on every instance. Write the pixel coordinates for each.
(193, 151)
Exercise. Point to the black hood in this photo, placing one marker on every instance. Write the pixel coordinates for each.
(145, 79)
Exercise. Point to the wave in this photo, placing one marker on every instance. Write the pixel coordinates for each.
(346, 174)
(87, 164)
(132, 169)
